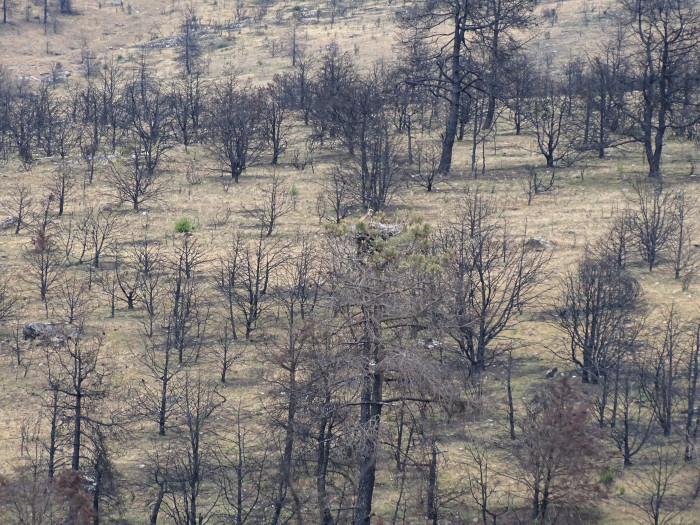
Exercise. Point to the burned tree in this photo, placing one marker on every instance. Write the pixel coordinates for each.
(598, 315)
(232, 124)
(45, 263)
(454, 31)
(383, 297)
(661, 37)
(244, 277)
(654, 220)
(133, 183)
(83, 387)
(491, 275)
(183, 317)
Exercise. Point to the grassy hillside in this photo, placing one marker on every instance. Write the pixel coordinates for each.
(252, 42)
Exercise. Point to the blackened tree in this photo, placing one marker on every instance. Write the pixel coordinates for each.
(383, 297)
(187, 95)
(491, 275)
(598, 314)
(276, 102)
(661, 367)
(453, 28)
(234, 127)
(510, 18)
(550, 112)
(654, 220)
(111, 113)
(632, 426)
(45, 263)
(149, 121)
(245, 274)
(132, 182)
(22, 123)
(191, 49)
(606, 73)
(661, 37)
(84, 387)
(190, 498)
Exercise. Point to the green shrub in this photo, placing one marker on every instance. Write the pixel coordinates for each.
(183, 225)
(606, 477)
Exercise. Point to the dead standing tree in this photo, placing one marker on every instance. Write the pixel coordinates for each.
(21, 202)
(286, 355)
(382, 297)
(451, 29)
(183, 314)
(84, 386)
(491, 276)
(275, 116)
(245, 274)
(598, 311)
(232, 127)
(661, 367)
(149, 125)
(654, 220)
(133, 183)
(192, 468)
(275, 200)
(62, 182)
(660, 39)
(45, 263)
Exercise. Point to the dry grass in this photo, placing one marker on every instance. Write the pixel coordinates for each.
(575, 213)
(578, 210)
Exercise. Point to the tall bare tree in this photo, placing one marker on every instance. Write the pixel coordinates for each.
(661, 39)
(233, 127)
(45, 263)
(654, 220)
(598, 313)
(491, 275)
(245, 275)
(452, 29)
(84, 387)
(384, 297)
(191, 498)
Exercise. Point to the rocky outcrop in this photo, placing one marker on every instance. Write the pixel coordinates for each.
(7, 222)
(50, 332)
(40, 331)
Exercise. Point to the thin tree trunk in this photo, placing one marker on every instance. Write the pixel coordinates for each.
(432, 485)
(455, 98)
(692, 393)
(511, 410)
(75, 463)
(157, 503)
(370, 416)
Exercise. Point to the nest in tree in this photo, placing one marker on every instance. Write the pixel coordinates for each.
(367, 234)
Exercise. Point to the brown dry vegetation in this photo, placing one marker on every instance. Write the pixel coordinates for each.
(577, 211)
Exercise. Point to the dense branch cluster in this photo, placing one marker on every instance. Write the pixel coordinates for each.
(331, 378)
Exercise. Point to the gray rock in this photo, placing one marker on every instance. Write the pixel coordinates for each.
(550, 373)
(7, 222)
(49, 332)
(39, 330)
(537, 243)
(387, 230)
